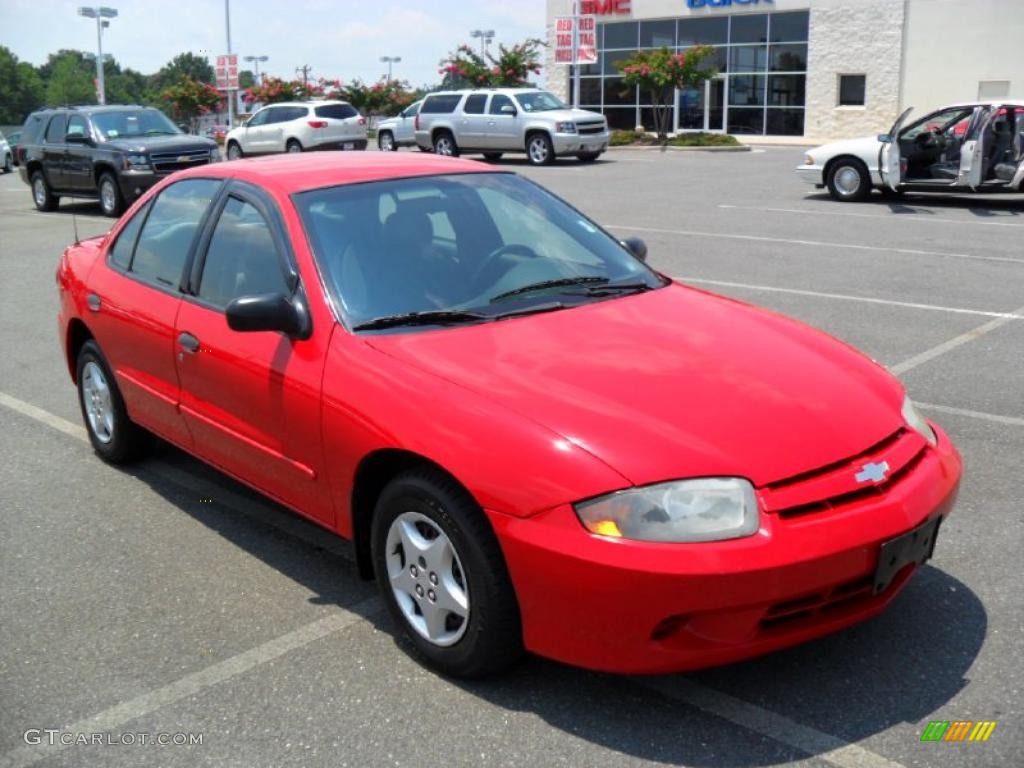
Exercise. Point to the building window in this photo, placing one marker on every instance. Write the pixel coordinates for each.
(989, 90)
(852, 89)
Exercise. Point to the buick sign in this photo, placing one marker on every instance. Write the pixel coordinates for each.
(725, 3)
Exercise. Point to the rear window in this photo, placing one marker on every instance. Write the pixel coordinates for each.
(55, 131)
(441, 104)
(336, 111)
(32, 129)
(475, 104)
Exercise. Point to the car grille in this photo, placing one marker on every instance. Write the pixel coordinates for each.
(850, 595)
(169, 162)
(592, 127)
(835, 486)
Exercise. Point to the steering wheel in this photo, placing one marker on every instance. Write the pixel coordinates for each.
(488, 271)
(927, 139)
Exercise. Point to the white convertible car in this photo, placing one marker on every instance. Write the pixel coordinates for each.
(972, 147)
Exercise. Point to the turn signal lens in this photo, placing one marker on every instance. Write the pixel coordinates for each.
(604, 528)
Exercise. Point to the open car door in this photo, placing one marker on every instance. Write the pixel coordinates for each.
(972, 153)
(889, 160)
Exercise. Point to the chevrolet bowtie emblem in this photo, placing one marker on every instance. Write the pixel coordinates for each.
(186, 159)
(872, 473)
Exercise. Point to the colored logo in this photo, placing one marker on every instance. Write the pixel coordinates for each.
(958, 730)
(872, 473)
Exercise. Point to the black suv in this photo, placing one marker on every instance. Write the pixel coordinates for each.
(113, 153)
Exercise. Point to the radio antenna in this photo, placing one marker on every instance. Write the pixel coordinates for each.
(74, 225)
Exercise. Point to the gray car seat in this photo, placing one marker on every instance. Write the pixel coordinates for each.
(1002, 146)
(1006, 169)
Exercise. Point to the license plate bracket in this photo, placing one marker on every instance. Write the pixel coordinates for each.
(915, 546)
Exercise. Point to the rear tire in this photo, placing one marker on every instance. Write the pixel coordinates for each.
(293, 146)
(234, 151)
(42, 196)
(849, 181)
(111, 202)
(444, 144)
(539, 149)
(386, 142)
(482, 637)
(114, 437)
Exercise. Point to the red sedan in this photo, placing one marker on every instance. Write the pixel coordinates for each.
(533, 439)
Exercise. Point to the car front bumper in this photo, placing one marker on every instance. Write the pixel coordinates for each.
(812, 174)
(638, 607)
(573, 143)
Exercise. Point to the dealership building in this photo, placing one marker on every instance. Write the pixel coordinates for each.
(814, 68)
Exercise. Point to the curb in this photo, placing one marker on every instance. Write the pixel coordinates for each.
(648, 148)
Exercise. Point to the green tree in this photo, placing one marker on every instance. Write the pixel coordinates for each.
(246, 79)
(70, 80)
(189, 98)
(386, 97)
(183, 65)
(659, 72)
(21, 88)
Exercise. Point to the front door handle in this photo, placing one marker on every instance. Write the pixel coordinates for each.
(188, 342)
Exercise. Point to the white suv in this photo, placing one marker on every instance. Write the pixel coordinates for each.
(298, 127)
(500, 120)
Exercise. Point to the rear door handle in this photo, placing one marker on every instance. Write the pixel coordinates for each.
(188, 342)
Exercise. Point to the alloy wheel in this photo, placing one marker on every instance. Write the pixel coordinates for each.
(96, 399)
(385, 142)
(108, 196)
(847, 180)
(427, 579)
(443, 146)
(39, 192)
(538, 150)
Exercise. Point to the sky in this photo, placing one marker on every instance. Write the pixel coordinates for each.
(342, 39)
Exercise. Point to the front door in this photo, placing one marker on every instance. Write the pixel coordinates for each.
(78, 169)
(974, 149)
(251, 133)
(889, 156)
(252, 400)
(503, 124)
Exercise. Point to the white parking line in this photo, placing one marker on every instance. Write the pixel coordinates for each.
(116, 716)
(821, 745)
(824, 746)
(957, 341)
(997, 418)
(918, 219)
(847, 297)
(816, 243)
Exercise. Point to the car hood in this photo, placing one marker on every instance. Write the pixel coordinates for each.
(560, 115)
(865, 147)
(161, 143)
(672, 383)
(390, 122)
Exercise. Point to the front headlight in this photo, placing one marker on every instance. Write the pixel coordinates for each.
(918, 422)
(136, 163)
(705, 509)
(566, 127)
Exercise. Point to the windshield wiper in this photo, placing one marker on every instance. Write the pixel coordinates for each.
(562, 281)
(158, 132)
(430, 317)
(600, 290)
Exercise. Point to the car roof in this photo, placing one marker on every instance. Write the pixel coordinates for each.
(304, 103)
(291, 173)
(508, 90)
(988, 103)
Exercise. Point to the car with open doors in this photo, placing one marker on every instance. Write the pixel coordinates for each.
(532, 439)
(970, 147)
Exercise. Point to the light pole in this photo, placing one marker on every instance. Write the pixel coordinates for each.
(230, 93)
(389, 60)
(101, 14)
(485, 35)
(256, 63)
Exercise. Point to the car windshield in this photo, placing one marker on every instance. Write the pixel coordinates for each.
(130, 123)
(539, 101)
(461, 248)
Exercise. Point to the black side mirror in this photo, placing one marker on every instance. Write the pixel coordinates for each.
(636, 246)
(269, 312)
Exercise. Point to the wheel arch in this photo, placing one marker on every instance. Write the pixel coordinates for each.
(846, 156)
(103, 167)
(77, 334)
(375, 471)
(533, 130)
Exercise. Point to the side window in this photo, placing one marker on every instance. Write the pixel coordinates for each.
(121, 253)
(498, 101)
(167, 236)
(55, 130)
(242, 259)
(260, 118)
(296, 113)
(77, 126)
(475, 104)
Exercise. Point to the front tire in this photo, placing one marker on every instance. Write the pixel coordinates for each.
(234, 151)
(7, 164)
(539, 149)
(849, 181)
(293, 146)
(444, 144)
(111, 202)
(114, 436)
(443, 577)
(386, 142)
(42, 196)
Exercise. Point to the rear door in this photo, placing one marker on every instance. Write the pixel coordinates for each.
(503, 126)
(473, 122)
(134, 303)
(343, 124)
(889, 159)
(53, 151)
(973, 150)
(252, 400)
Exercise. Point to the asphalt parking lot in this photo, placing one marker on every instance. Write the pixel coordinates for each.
(168, 599)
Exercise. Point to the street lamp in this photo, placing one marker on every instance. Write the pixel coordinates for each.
(389, 60)
(101, 14)
(256, 63)
(485, 35)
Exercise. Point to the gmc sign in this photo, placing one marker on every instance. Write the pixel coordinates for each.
(605, 7)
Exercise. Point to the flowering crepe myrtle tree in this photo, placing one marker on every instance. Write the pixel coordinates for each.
(385, 97)
(189, 98)
(273, 89)
(659, 72)
(511, 67)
